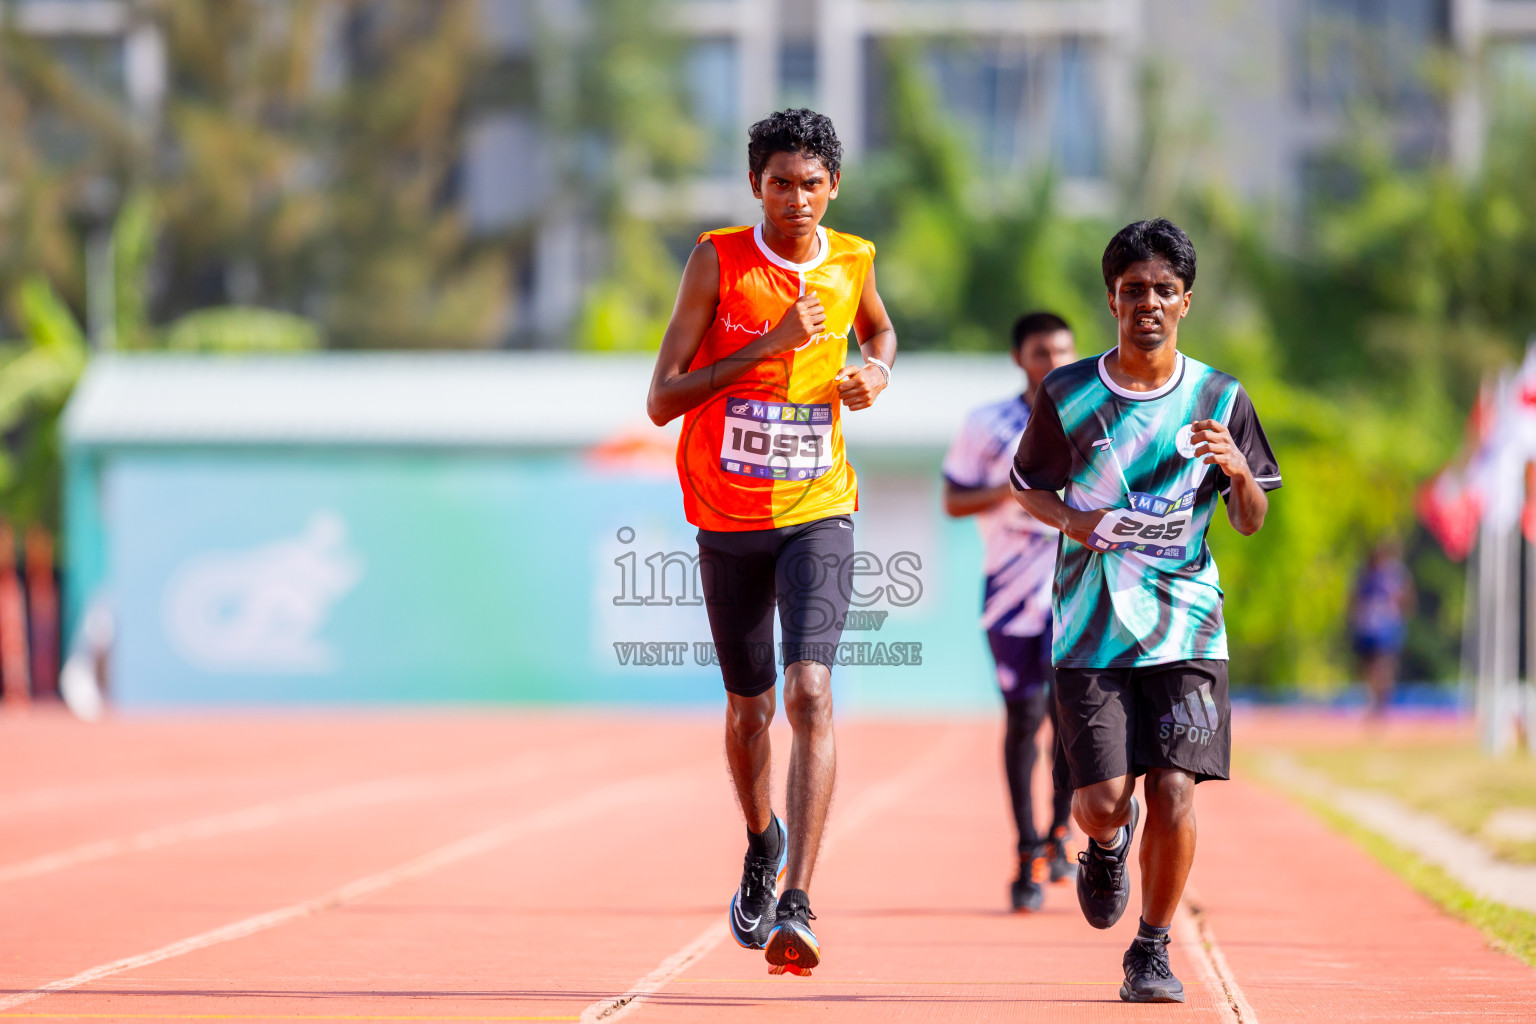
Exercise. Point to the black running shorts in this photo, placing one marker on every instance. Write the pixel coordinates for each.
(801, 569)
(1122, 721)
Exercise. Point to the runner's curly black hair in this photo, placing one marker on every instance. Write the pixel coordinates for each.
(794, 131)
(1150, 240)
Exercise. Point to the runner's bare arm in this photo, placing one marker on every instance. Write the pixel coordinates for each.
(1246, 501)
(674, 388)
(1048, 507)
(967, 501)
(877, 338)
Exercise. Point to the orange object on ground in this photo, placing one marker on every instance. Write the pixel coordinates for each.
(42, 611)
(768, 450)
(15, 673)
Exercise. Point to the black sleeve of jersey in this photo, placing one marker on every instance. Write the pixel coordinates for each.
(1044, 458)
(1248, 435)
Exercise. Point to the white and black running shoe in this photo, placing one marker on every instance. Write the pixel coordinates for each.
(752, 907)
(1103, 885)
(1148, 978)
(792, 946)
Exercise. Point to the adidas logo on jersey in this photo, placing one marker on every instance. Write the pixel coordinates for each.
(1192, 717)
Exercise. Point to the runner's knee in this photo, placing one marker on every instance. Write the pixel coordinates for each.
(1103, 805)
(1170, 794)
(748, 717)
(807, 693)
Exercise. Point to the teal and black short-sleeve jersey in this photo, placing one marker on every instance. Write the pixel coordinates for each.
(1151, 595)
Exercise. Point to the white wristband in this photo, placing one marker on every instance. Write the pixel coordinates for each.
(884, 369)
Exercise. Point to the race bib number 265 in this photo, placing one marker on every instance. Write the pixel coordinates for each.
(1152, 526)
(776, 440)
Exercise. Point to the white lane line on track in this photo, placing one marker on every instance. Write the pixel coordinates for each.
(373, 793)
(1193, 928)
(868, 804)
(71, 795)
(659, 786)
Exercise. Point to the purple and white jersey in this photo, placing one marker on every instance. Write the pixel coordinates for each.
(1020, 551)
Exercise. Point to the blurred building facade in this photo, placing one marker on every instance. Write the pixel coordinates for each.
(1252, 93)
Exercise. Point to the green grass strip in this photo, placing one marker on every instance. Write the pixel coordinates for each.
(1506, 928)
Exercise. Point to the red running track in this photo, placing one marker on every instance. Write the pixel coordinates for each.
(547, 866)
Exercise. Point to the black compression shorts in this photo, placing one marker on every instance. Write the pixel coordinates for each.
(798, 568)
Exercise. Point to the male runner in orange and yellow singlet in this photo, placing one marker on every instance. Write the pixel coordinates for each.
(753, 360)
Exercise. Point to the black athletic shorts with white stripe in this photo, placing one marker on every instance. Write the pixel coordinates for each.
(1122, 721)
(799, 569)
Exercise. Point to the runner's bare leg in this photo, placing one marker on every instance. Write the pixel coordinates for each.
(750, 755)
(812, 765)
(1167, 842)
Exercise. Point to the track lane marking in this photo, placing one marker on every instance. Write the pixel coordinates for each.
(1193, 928)
(869, 803)
(265, 1016)
(373, 793)
(644, 788)
(65, 796)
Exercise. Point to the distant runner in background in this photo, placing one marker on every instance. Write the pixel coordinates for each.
(1378, 609)
(1020, 563)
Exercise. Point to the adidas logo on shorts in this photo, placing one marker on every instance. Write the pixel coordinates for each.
(1192, 717)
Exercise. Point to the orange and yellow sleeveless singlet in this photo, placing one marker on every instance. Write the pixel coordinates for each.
(768, 450)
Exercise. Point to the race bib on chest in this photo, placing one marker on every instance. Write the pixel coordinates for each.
(776, 440)
(1151, 526)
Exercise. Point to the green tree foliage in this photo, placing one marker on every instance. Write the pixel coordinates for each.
(627, 102)
(1361, 333)
(302, 161)
(36, 377)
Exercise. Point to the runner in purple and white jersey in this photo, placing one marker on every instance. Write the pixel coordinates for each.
(1020, 564)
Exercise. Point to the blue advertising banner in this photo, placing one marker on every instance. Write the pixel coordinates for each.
(338, 577)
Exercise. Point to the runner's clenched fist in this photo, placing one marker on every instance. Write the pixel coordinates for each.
(1214, 441)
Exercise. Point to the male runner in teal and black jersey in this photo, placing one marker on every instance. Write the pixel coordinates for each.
(1140, 440)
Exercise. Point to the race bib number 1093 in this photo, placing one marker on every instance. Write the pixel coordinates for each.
(776, 440)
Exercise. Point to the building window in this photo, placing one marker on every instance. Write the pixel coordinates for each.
(711, 74)
(1372, 51)
(1514, 69)
(96, 63)
(1024, 104)
(505, 177)
(797, 73)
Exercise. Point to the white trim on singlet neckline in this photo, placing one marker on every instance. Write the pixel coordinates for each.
(1141, 396)
(779, 261)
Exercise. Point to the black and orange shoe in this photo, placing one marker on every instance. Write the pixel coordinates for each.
(792, 946)
(751, 914)
(1063, 869)
(1028, 890)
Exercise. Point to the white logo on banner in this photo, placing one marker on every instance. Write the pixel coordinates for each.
(261, 610)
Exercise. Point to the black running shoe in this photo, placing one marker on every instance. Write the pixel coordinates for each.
(1103, 887)
(1063, 868)
(1026, 891)
(792, 946)
(1148, 978)
(753, 904)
